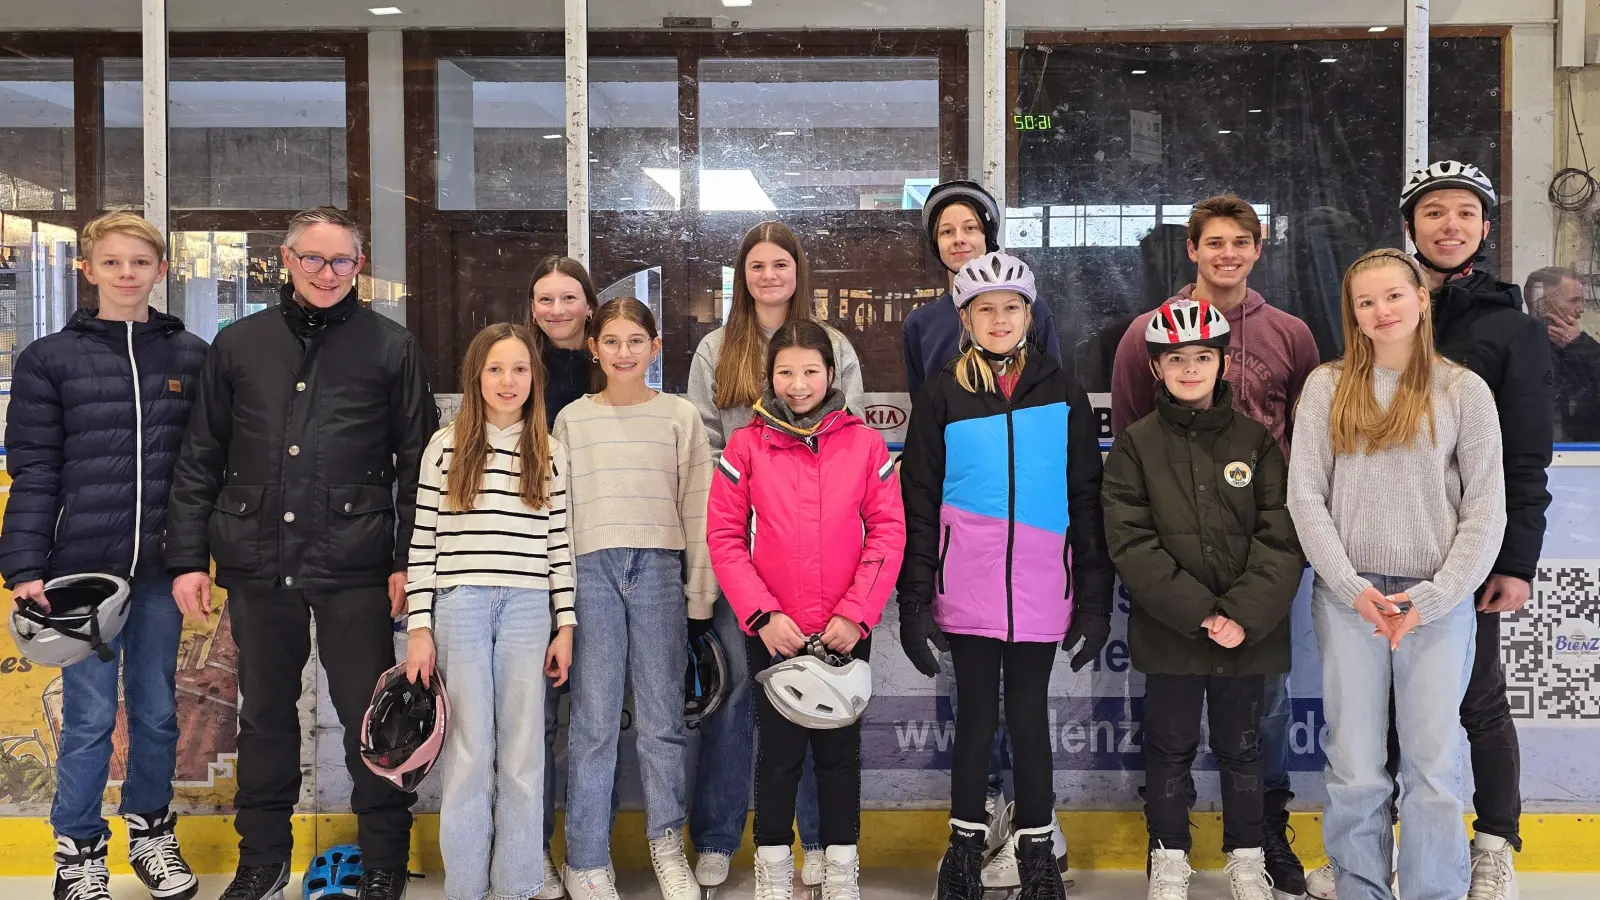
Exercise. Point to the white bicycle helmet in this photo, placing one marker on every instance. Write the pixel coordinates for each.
(86, 614)
(998, 271)
(819, 693)
(1447, 173)
(1182, 322)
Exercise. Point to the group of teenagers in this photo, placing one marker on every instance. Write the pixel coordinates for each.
(574, 531)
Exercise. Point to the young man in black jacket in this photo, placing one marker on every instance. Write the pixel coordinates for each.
(106, 398)
(298, 475)
(1478, 322)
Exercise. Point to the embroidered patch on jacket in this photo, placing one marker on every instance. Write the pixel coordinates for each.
(1238, 474)
(174, 385)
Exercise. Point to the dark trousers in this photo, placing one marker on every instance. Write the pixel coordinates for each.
(781, 754)
(980, 663)
(355, 642)
(1491, 736)
(1172, 706)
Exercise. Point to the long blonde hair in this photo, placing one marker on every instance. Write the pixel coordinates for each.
(738, 379)
(973, 371)
(1357, 422)
(471, 457)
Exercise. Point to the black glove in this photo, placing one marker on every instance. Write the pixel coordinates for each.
(1091, 628)
(698, 628)
(917, 628)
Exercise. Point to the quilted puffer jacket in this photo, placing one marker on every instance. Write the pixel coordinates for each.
(97, 415)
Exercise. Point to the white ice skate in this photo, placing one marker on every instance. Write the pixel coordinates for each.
(711, 870)
(774, 873)
(1169, 875)
(1001, 877)
(672, 867)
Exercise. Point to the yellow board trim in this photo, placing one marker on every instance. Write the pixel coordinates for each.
(889, 839)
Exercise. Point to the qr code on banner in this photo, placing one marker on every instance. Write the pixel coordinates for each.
(1551, 648)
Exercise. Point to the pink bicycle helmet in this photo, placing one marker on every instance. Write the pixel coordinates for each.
(403, 732)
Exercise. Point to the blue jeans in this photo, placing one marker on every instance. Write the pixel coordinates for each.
(147, 649)
(491, 643)
(1275, 714)
(1429, 675)
(632, 634)
(552, 726)
(727, 758)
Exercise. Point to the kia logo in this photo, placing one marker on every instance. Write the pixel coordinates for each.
(884, 416)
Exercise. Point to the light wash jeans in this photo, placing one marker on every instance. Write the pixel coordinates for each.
(147, 655)
(727, 759)
(491, 643)
(1429, 673)
(632, 635)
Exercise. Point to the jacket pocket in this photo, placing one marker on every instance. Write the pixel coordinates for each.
(361, 526)
(944, 550)
(234, 532)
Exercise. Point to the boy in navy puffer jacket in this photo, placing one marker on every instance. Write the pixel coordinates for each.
(97, 413)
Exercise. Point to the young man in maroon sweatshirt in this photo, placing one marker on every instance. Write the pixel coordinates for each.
(1270, 353)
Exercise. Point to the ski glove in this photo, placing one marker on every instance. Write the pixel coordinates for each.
(917, 628)
(1094, 630)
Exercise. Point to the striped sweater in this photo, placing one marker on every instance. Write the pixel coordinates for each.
(500, 542)
(640, 478)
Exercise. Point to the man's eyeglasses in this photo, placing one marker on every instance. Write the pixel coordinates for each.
(343, 266)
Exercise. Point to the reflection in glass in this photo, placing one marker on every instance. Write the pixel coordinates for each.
(501, 124)
(36, 132)
(820, 133)
(251, 133)
(1560, 298)
(633, 134)
(38, 284)
(644, 286)
(219, 277)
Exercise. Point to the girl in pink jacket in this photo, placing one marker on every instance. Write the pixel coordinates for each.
(806, 533)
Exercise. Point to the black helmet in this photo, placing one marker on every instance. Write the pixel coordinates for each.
(705, 683)
(404, 729)
(970, 193)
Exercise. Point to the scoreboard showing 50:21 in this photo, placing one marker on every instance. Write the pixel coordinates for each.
(1033, 123)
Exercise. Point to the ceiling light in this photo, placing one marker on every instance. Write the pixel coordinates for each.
(792, 174)
(551, 137)
(1138, 71)
(1329, 59)
(736, 2)
(1255, 110)
(624, 199)
(1377, 29)
(1224, 131)
(384, 10)
(785, 134)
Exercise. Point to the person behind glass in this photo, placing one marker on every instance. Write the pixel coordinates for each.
(106, 397)
(820, 482)
(962, 222)
(771, 288)
(490, 576)
(1270, 353)
(1555, 296)
(1398, 494)
(298, 475)
(561, 302)
(1005, 558)
(640, 469)
(1196, 522)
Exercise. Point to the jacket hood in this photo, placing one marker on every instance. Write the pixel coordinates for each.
(1475, 289)
(86, 320)
(1252, 302)
(306, 321)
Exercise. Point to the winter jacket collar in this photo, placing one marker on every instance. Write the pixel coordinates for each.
(1456, 297)
(1182, 418)
(87, 321)
(305, 321)
(1038, 367)
(828, 416)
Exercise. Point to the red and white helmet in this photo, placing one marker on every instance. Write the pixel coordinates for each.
(403, 732)
(1182, 322)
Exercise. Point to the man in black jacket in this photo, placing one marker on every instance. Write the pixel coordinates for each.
(298, 476)
(1555, 297)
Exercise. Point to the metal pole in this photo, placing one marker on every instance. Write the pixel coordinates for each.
(1416, 96)
(577, 37)
(994, 103)
(154, 29)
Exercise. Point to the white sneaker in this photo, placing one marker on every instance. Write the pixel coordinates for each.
(814, 868)
(1247, 874)
(842, 873)
(1493, 875)
(552, 888)
(774, 873)
(672, 867)
(591, 884)
(711, 868)
(1169, 875)
(1320, 884)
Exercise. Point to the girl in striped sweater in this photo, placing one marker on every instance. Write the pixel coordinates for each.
(491, 572)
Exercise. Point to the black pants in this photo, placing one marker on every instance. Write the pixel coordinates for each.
(980, 663)
(1172, 737)
(355, 642)
(780, 755)
(1491, 736)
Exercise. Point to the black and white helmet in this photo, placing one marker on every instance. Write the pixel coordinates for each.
(993, 272)
(1447, 173)
(1182, 322)
(970, 193)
